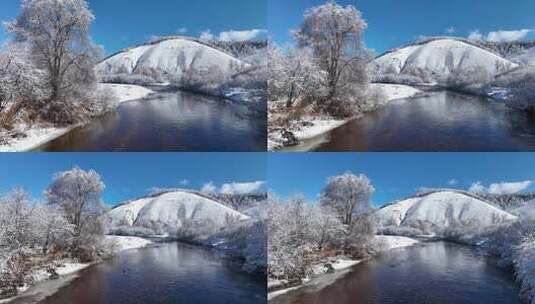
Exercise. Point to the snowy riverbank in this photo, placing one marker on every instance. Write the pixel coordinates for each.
(309, 127)
(37, 135)
(341, 263)
(67, 270)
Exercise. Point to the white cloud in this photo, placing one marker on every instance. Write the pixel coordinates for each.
(206, 35)
(500, 188)
(241, 188)
(233, 188)
(507, 36)
(451, 30)
(477, 187)
(209, 188)
(182, 30)
(184, 182)
(475, 35)
(241, 35)
(508, 188)
(501, 36)
(453, 182)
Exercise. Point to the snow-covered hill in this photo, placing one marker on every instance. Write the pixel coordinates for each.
(442, 209)
(169, 58)
(439, 58)
(526, 58)
(526, 212)
(172, 210)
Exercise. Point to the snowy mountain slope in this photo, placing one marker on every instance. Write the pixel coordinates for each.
(168, 57)
(525, 212)
(169, 210)
(442, 209)
(527, 58)
(440, 57)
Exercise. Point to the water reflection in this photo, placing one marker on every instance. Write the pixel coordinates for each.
(173, 273)
(172, 122)
(442, 121)
(436, 273)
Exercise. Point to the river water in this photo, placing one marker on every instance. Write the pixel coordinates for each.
(441, 121)
(171, 273)
(434, 273)
(177, 121)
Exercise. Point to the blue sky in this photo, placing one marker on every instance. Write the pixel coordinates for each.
(397, 175)
(123, 23)
(130, 175)
(395, 22)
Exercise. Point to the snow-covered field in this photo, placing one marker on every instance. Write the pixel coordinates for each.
(36, 136)
(442, 209)
(441, 57)
(171, 209)
(171, 56)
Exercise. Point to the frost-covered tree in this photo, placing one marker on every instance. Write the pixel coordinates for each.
(57, 32)
(21, 82)
(294, 75)
(326, 228)
(334, 33)
(78, 194)
(348, 195)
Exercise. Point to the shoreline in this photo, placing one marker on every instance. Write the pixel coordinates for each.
(319, 127)
(389, 242)
(69, 270)
(40, 135)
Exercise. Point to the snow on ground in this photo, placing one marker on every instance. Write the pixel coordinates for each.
(166, 56)
(442, 209)
(395, 91)
(390, 242)
(441, 57)
(122, 243)
(166, 207)
(317, 127)
(126, 92)
(36, 136)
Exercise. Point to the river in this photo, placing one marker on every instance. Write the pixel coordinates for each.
(440, 121)
(433, 273)
(172, 121)
(171, 273)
